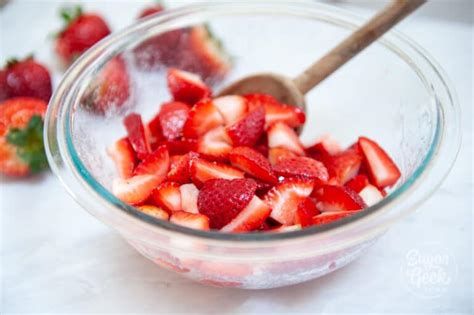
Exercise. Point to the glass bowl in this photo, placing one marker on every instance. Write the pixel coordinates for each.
(393, 92)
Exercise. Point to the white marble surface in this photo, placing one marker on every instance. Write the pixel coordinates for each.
(56, 258)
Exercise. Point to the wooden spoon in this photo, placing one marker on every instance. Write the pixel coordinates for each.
(291, 91)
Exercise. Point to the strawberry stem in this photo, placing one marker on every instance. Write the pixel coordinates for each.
(69, 14)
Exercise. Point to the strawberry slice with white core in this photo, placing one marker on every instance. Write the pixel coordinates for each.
(337, 198)
(290, 115)
(202, 171)
(275, 155)
(154, 211)
(383, 171)
(328, 217)
(231, 107)
(305, 212)
(168, 196)
(136, 189)
(215, 144)
(137, 135)
(285, 198)
(371, 195)
(157, 163)
(203, 117)
(123, 156)
(186, 87)
(190, 220)
(286, 228)
(282, 136)
(253, 163)
(250, 218)
(189, 196)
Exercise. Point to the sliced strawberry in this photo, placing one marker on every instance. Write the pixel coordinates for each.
(382, 170)
(189, 196)
(358, 183)
(168, 196)
(215, 144)
(250, 218)
(136, 189)
(262, 145)
(305, 212)
(337, 198)
(371, 195)
(222, 199)
(253, 163)
(203, 117)
(169, 122)
(328, 217)
(181, 146)
(282, 136)
(136, 134)
(231, 107)
(301, 166)
(326, 145)
(285, 198)
(202, 171)
(154, 211)
(287, 114)
(123, 156)
(286, 228)
(275, 155)
(344, 165)
(186, 87)
(262, 187)
(190, 220)
(156, 163)
(180, 168)
(248, 130)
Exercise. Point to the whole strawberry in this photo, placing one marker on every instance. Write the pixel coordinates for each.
(81, 32)
(25, 78)
(21, 136)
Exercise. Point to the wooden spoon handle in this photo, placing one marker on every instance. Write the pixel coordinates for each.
(351, 46)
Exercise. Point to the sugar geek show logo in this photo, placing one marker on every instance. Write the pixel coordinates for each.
(429, 270)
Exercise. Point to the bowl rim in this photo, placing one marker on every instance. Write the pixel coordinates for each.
(58, 132)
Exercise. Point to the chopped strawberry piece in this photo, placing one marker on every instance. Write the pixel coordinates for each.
(286, 228)
(202, 171)
(123, 156)
(282, 136)
(136, 189)
(262, 187)
(250, 218)
(231, 107)
(325, 146)
(248, 130)
(285, 198)
(343, 166)
(358, 183)
(215, 144)
(275, 155)
(262, 145)
(328, 217)
(186, 87)
(180, 168)
(382, 170)
(203, 117)
(371, 195)
(154, 211)
(253, 163)
(157, 163)
(305, 212)
(190, 220)
(222, 199)
(169, 122)
(337, 198)
(136, 134)
(168, 196)
(256, 100)
(301, 167)
(150, 10)
(189, 196)
(181, 146)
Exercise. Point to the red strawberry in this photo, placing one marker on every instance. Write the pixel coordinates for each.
(180, 168)
(81, 32)
(250, 218)
(257, 100)
(262, 187)
(358, 183)
(325, 146)
(231, 107)
(275, 155)
(187, 87)
(181, 146)
(190, 220)
(328, 217)
(154, 211)
(136, 134)
(262, 145)
(301, 167)
(282, 136)
(123, 156)
(202, 171)
(382, 170)
(26, 78)
(203, 117)
(371, 195)
(215, 144)
(150, 10)
(248, 130)
(189, 197)
(222, 200)
(343, 166)
(169, 122)
(285, 198)
(21, 136)
(305, 212)
(156, 163)
(337, 198)
(136, 189)
(168, 196)
(253, 163)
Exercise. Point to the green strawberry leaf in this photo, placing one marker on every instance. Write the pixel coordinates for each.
(69, 14)
(29, 144)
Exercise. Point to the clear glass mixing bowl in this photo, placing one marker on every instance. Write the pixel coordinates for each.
(392, 92)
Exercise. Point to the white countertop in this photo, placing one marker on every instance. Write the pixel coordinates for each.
(56, 258)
